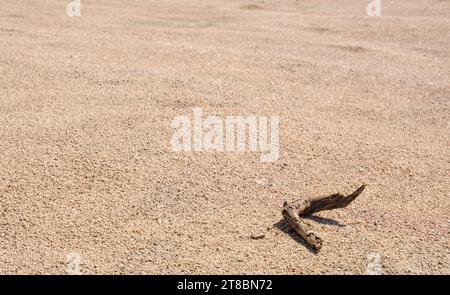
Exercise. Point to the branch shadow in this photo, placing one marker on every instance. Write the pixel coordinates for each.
(324, 220)
(283, 226)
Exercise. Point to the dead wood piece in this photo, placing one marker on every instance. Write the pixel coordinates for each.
(257, 236)
(294, 211)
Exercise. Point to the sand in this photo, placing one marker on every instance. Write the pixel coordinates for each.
(86, 163)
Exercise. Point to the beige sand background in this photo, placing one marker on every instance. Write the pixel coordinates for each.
(85, 159)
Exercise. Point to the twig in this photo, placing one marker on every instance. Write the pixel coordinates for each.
(294, 211)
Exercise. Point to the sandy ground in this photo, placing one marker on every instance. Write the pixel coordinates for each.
(86, 164)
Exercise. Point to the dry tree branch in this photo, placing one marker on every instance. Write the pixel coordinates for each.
(294, 211)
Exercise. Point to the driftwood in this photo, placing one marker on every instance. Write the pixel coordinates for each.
(294, 211)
